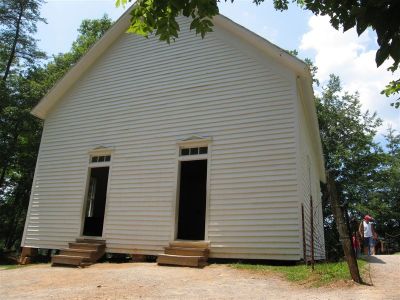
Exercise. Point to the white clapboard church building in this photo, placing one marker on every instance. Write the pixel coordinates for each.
(201, 148)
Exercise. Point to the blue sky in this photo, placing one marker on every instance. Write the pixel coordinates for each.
(345, 54)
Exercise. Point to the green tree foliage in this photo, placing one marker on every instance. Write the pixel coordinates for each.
(20, 136)
(351, 154)
(18, 51)
(383, 200)
(392, 88)
(159, 17)
(367, 178)
(20, 132)
(383, 16)
(18, 19)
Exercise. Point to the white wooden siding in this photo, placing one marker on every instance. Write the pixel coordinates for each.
(140, 98)
(310, 185)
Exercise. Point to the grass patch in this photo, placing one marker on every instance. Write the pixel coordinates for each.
(16, 266)
(11, 267)
(324, 273)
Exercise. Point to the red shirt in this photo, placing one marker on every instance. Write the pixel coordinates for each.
(356, 243)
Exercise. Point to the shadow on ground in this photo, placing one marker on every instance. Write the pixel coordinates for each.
(374, 260)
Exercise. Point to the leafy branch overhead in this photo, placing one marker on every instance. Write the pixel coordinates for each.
(159, 17)
(383, 16)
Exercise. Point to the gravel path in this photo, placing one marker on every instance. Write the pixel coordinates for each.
(147, 280)
(385, 275)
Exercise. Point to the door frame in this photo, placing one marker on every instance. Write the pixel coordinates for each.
(102, 151)
(191, 143)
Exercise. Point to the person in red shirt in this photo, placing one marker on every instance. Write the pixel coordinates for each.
(356, 245)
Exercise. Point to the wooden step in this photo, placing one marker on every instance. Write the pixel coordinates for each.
(90, 241)
(190, 244)
(187, 251)
(181, 260)
(86, 246)
(67, 260)
(86, 264)
(90, 254)
(83, 252)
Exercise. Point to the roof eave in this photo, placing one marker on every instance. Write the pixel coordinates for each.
(308, 98)
(293, 63)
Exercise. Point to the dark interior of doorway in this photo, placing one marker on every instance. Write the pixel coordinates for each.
(96, 202)
(192, 200)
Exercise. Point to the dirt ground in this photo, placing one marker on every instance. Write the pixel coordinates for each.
(147, 280)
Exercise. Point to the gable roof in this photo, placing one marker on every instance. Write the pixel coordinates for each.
(301, 70)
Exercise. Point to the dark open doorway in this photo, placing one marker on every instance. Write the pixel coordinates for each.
(96, 202)
(192, 200)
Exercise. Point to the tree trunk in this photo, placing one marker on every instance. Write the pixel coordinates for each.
(14, 46)
(343, 229)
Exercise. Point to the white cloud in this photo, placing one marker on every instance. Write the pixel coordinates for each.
(353, 59)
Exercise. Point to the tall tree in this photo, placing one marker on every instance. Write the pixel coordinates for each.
(21, 135)
(351, 156)
(18, 19)
(19, 131)
(383, 16)
(18, 52)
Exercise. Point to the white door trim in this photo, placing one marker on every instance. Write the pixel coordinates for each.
(91, 165)
(190, 144)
